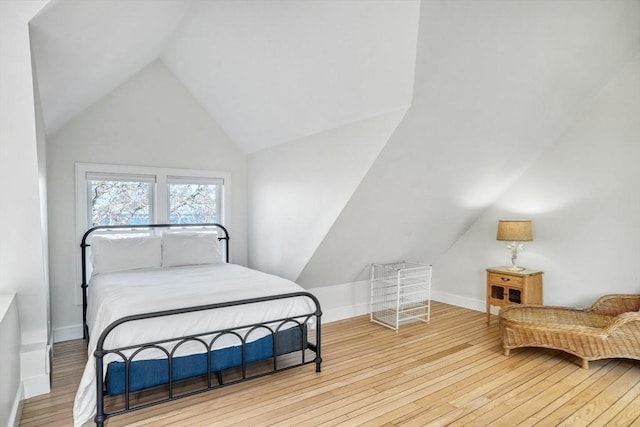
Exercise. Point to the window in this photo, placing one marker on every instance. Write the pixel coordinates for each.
(114, 195)
(116, 199)
(193, 200)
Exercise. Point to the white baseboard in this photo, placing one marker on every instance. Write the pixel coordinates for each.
(34, 369)
(458, 301)
(16, 409)
(335, 314)
(67, 333)
(35, 386)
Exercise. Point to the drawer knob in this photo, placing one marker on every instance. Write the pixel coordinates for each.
(505, 279)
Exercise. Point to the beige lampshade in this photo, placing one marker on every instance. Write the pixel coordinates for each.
(515, 230)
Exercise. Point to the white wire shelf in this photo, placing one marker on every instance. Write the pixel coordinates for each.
(400, 293)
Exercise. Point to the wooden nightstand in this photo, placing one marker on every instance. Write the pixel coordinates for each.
(506, 286)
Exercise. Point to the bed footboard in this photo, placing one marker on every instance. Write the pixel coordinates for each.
(271, 351)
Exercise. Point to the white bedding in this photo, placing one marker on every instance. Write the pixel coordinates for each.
(116, 295)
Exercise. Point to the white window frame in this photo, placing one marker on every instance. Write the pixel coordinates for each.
(160, 198)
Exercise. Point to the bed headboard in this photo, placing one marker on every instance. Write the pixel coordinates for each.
(223, 236)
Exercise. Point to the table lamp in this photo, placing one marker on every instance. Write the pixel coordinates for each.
(515, 231)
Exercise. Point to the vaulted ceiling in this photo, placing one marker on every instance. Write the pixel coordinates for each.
(267, 72)
(487, 87)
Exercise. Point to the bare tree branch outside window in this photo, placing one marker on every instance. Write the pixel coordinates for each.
(129, 202)
(120, 202)
(193, 203)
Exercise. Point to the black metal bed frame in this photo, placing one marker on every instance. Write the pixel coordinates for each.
(100, 352)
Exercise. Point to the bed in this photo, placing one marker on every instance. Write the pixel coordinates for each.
(167, 316)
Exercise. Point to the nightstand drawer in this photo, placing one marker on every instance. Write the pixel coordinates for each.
(501, 279)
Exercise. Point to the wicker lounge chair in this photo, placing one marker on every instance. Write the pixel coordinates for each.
(609, 328)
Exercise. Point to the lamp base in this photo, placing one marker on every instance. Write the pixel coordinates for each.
(514, 248)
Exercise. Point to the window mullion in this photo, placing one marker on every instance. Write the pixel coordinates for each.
(162, 199)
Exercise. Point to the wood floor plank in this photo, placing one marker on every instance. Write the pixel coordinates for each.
(615, 398)
(578, 396)
(448, 372)
(516, 388)
(628, 415)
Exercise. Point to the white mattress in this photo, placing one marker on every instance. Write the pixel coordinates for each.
(116, 295)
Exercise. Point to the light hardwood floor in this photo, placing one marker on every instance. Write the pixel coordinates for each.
(449, 372)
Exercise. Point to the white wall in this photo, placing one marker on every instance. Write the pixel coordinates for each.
(496, 84)
(297, 190)
(41, 147)
(583, 196)
(22, 247)
(9, 357)
(151, 120)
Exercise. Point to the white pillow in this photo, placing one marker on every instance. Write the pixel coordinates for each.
(109, 254)
(190, 248)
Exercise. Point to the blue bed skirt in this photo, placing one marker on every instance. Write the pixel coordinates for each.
(150, 373)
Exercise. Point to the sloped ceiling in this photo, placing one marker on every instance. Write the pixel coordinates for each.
(497, 83)
(489, 85)
(276, 71)
(267, 72)
(82, 50)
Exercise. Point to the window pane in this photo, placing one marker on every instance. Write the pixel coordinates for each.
(119, 202)
(194, 203)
